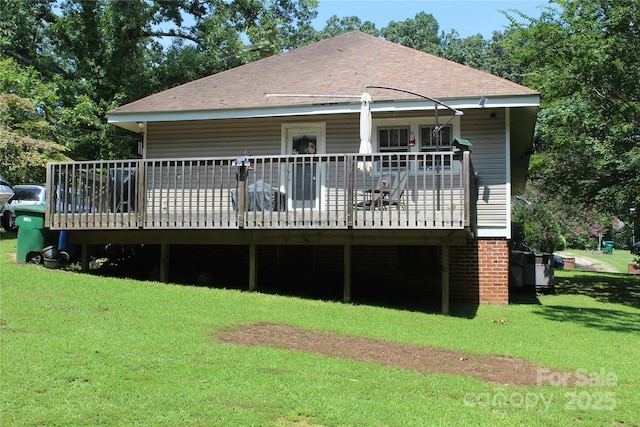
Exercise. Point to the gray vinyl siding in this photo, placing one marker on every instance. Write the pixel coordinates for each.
(262, 136)
(209, 138)
(490, 163)
(343, 134)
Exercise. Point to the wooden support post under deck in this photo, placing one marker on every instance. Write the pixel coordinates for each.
(164, 263)
(445, 279)
(84, 258)
(347, 273)
(253, 264)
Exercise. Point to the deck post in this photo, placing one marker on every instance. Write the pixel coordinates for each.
(350, 190)
(164, 263)
(141, 194)
(241, 175)
(253, 264)
(347, 273)
(466, 168)
(445, 279)
(242, 191)
(84, 257)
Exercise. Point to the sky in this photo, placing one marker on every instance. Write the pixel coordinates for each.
(467, 17)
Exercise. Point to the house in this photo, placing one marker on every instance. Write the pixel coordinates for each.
(258, 173)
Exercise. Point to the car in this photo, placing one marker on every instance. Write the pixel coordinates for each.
(24, 194)
(558, 262)
(6, 192)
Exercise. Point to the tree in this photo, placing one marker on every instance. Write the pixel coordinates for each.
(27, 137)
(582, 57)
(419, 33)
(336, 26)
(99, 54)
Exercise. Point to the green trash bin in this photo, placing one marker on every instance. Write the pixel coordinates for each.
(608, 247)
(33, 237)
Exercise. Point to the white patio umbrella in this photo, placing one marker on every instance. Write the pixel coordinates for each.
(365, 132)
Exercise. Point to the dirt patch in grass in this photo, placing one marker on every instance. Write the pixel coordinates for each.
(429, 360)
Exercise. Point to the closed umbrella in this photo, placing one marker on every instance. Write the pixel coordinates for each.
(365, 132)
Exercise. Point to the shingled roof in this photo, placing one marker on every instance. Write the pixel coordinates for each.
(341, 65)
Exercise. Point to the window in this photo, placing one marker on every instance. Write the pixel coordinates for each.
(428, 143)
(393, 140)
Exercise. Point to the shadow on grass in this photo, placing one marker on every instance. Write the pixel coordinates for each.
(603, 287)
(519, 296)
(598, 318)
(430, 306)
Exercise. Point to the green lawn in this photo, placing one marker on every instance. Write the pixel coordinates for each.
(619, 259)
(84, 350)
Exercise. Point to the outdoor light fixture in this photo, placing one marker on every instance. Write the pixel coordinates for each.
(412, 140)
(140, 125)
(483, 102)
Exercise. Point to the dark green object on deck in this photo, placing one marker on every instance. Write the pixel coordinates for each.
(32, 235)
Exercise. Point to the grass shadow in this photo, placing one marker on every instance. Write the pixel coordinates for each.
(430, 304)
(8, 235)
(604, 287)
(608, 288)
(463, 310)
(421, 305)
(523, 297)
(597, 318)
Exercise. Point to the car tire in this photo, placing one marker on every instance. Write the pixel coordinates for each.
(8, 222)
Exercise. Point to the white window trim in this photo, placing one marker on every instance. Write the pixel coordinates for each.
(414, 124)
(320, 127)
(447, 148)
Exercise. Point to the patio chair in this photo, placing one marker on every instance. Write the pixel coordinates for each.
(373, 196)
(394, 198)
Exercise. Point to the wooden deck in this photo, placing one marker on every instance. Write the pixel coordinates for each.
(302, 192)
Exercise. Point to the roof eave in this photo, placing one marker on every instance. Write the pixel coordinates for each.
(131, 120)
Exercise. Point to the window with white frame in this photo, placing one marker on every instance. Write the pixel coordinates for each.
(430, 143)
(393, 139)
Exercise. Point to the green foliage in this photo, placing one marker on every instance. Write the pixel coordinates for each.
(336, 26)
(75, 60)
(581, 56)
(534, 216)
(548, 222)
(23, 159)
(419, 33)
(27, 140)
(471, 51)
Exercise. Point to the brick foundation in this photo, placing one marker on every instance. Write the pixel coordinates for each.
(480, 272)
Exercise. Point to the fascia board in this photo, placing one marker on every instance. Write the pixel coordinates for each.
(126, 119)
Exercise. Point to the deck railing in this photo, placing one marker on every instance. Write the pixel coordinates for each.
(434, 190)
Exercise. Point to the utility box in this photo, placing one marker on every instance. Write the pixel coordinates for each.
(531, 271)
(32, 234)
(544, 273)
